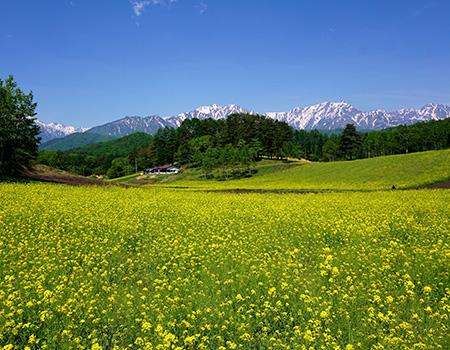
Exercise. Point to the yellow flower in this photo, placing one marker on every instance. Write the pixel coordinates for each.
(324, 314)
(189, 340)
(32, 339)
(146, 326)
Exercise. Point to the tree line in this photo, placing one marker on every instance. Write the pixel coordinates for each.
(350, 144)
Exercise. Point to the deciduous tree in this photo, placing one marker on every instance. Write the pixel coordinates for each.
(18, 131)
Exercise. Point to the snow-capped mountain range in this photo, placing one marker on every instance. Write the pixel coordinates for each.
(335, 115)
(56, 130)
(323, 116)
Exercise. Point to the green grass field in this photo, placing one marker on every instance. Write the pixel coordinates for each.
(87, 267)
(403, 171)
(125, 179)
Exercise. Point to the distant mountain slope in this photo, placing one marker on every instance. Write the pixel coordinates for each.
(117, 147)
(52, 131)
(129, 125)
(75, 140)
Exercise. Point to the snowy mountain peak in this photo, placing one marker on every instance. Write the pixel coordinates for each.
(51, 131)
(204, 109)
(214, 111)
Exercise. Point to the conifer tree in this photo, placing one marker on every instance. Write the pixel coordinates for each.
(350, 143)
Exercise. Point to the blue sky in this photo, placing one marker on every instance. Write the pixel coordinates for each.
(93, 61)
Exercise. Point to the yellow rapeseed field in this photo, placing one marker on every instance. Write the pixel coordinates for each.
(115, 268)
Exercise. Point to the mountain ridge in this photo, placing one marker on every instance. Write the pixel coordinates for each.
(50, 131)
(324, 116)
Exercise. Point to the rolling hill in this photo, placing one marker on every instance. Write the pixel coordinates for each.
(381, 173)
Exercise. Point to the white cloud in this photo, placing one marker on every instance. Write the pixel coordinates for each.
(140, 5)
(203, 7)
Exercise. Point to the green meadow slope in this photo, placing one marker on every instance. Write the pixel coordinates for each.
(403, 171)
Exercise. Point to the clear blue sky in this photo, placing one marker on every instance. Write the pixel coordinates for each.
(93, 61)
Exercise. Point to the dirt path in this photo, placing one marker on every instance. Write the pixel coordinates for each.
(445, 184)
(68, 180)
(46, 174)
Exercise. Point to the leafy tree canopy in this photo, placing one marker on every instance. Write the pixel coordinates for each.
(18, 132)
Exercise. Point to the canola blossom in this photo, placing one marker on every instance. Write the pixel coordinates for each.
(116, 268)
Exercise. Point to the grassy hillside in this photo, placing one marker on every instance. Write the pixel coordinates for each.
(74, 141)
(403, 171)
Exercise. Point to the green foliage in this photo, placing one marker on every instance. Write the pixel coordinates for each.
(318, 145)
(18, 131)
(432, 135)
(229, 162)
(75, 140)
(310, 143)
(119, 167)
(222, 148)
(349, 143)
(330, 150)
(119, 147)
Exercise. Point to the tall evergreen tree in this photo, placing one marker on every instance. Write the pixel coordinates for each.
(350, 143)
(18, 132)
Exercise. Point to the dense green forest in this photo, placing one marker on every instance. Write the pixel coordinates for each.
(112, 158)
(419, 137)
(76, 140)
(228, 148)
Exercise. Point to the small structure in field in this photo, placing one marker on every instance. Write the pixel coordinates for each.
(162, 169)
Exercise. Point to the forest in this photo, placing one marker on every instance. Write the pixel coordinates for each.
(229, 148)
(425, 136)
